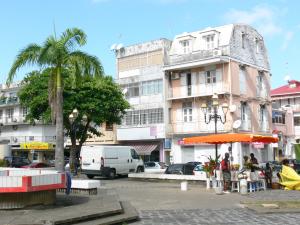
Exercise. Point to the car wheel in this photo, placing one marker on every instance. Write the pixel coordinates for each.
(139, 170)
(112, 174)
(90, 176)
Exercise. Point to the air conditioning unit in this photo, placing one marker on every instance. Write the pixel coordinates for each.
(217, 52)
(175, 76)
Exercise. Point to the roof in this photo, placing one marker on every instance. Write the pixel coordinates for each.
(293, 87)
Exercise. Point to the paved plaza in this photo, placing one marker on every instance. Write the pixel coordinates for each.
(164, 203)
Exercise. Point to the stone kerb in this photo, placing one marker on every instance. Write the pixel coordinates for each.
(23, 187)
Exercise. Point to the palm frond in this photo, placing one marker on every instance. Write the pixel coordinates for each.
(48, 52)
(28, 55)
(90, 65)
(72, 37)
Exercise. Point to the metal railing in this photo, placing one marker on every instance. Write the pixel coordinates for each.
(12, 120)
(9, 100)
(24, 139)
(197, 55)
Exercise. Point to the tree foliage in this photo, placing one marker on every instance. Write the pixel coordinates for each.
(99, 98)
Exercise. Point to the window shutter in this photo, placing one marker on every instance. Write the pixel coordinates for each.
(201, 76)
(183, 79)
(218, 75)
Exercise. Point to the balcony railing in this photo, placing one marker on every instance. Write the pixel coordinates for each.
(12, 120)
(198, 90)
(22, 139)
(197, 55)
(245, 125)
(195, 127)
(264, 126)
(9, 100)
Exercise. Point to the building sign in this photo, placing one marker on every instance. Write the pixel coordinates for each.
(258, 145)
(36, 146)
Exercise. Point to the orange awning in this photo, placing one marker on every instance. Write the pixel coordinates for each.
(229, 138)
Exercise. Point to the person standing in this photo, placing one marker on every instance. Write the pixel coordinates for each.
(268, 175)
(225, 166)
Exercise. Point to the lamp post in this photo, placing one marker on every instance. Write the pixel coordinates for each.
(215, 116)
(73, 129)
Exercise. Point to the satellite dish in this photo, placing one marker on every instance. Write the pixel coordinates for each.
(119, 46)
(232, 108)
(236, 124)
(113, 47)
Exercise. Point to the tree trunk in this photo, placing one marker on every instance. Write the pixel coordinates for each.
(59, 149)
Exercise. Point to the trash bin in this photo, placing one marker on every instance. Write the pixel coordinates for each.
(243, 187)
(184, 185)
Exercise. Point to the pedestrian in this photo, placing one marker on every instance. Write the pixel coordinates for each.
(225, 166)
(253, 162)
(268, 175)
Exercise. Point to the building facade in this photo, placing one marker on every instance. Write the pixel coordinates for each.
(140, 74)
(286, 118)
(232, 62)
(35, 142)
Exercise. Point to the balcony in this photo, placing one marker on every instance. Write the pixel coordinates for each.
(264, 126)
(9, 101)
(15, 140)
(197, 90)
(197, 56)
(12, 120)
(262, 93)
(195, 127)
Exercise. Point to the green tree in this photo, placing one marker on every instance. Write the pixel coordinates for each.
(58, 54)
(100, 99)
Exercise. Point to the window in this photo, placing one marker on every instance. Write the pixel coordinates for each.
(1, 114)
(153, 87)
(243, 40)
(297, 121)
(133, 90)
(143, 117)
(109, 126)
(278, 117)
(10, 113)
(187, 112)
(245, 111)
(211, 77)
(134, 155)
(210, 42)
(24, 111)
(185, 46)
(257, 45)
(243, 88)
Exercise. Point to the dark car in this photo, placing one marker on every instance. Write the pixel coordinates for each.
(183, 169)
(37, 165)
(16, 161)
(195, 163)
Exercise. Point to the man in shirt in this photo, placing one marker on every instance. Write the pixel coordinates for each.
(225, 166)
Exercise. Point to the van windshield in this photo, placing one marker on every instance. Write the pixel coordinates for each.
(134, 155)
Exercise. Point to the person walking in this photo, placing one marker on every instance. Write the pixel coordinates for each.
(225, 166)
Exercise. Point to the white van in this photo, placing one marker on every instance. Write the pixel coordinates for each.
(109, 160)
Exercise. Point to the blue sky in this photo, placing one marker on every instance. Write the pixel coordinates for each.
(133, 21)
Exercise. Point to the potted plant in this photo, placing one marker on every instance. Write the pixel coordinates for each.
(210, 167)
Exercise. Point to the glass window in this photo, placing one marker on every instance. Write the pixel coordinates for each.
(1, 114)
(10, 113)
(185, 46)
(211, 77)
(134, 154)
(136, 117)
(297, 121)
(187, 112)
(24, 111)
(210, 42)
(144, 116)
(242, 76)
(109, 127)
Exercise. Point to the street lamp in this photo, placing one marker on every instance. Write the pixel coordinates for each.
(215, 116)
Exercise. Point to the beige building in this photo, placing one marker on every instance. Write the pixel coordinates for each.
(108, 135)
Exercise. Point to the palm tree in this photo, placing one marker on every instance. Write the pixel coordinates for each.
(57, 55)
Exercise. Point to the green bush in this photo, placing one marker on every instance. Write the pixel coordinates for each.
(3, 163)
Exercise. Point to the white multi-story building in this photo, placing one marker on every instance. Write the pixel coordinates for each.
(140, 74)
(33, 141)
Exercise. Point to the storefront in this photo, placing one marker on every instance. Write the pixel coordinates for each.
(36, 151)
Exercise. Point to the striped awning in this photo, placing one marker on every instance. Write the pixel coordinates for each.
(144, 149)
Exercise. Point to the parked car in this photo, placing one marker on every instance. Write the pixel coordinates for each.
(195, 163)
(199, 172)
(37, 165)
(180, 168)
(155, 167)
(17, 161)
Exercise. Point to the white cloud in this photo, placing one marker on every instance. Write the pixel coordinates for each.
(264, 18)
(286, 40)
